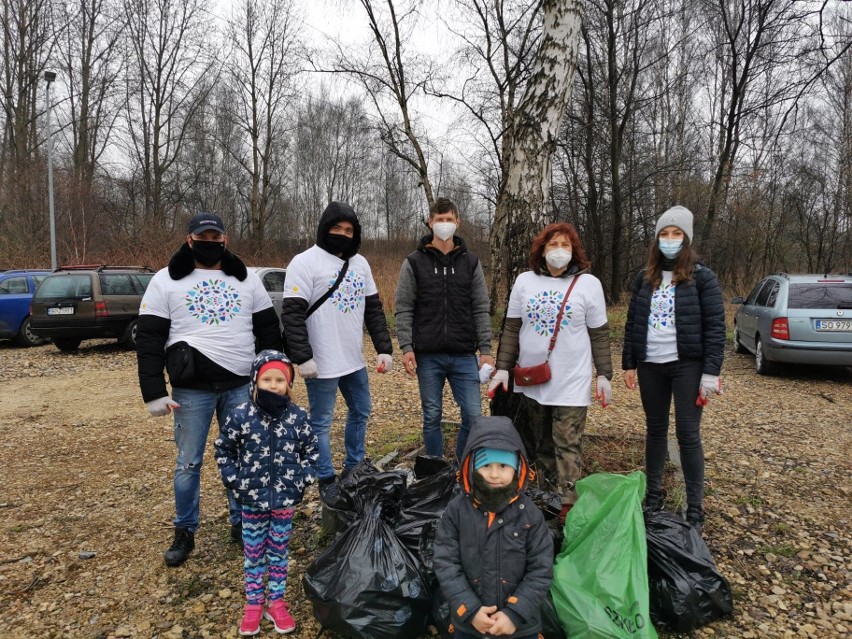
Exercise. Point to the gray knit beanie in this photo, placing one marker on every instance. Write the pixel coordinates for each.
(678, 216)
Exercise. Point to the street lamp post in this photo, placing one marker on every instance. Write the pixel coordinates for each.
(49, 77)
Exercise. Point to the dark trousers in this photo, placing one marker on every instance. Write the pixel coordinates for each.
(657, 384)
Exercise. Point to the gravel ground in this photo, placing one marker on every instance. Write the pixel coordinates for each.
(87, 501)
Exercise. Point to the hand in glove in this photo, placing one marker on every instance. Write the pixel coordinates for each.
(500, 377)
(384, 363)
(604, 392)
(709, 384)
(161, 406)
(308, 370)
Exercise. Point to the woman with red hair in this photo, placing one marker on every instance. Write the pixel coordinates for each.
(556, 297)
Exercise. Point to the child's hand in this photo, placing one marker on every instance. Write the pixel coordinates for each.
(502, 624)
(482, 620)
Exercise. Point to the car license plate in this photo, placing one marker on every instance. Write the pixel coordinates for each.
(62, 310)
(833, 326)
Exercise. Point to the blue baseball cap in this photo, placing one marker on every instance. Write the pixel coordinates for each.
(201, 222)
(484, 456)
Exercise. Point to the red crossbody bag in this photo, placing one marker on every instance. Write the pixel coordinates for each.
(540, 373)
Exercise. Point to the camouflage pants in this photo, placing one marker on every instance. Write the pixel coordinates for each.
(552, 436)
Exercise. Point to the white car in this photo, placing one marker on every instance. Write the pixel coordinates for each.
(273, 281)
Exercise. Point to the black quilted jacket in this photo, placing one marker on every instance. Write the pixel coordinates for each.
(699, 320)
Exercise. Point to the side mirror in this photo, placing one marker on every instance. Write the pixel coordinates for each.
(737, 300)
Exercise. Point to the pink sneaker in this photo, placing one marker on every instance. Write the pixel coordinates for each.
(252, 615)
(278, 614)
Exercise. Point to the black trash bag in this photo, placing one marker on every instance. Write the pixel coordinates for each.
(686, 590)
(424, 502)
(366, 585)
(428, 465)
(550, 626)
(550, 505)
(358, 490)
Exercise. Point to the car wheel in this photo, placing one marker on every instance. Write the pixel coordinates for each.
(763, 366)
(129, 338)
(66, 344)
(27, 338)
(738, 345)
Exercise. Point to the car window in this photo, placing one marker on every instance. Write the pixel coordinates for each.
(116, 284)
(773, 294)
(754, 293)
(142, 282)
(764, 294)
(13, 286)
(274, 282)
(820, 295)
(37, 279)
(63, 286)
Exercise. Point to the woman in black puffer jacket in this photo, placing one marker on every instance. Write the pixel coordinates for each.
(675, 340)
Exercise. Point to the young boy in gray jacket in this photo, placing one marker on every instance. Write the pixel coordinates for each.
(493, 551)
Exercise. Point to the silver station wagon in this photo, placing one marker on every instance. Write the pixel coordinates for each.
(796, 319)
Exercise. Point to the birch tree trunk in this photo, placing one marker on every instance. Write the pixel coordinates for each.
(521, 205)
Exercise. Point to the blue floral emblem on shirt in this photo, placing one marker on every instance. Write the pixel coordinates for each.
(543, 309)
(349, 296)
(213, 301)
(662, 307)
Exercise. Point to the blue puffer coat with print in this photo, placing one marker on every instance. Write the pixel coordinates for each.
(267, 462)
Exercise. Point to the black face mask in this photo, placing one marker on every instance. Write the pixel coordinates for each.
(207, 253)
(494, 500)
(339, 244)
(272, 403)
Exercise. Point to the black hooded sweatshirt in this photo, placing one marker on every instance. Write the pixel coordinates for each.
(294, 309)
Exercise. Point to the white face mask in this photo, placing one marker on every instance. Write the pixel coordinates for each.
(557, 258)
(444, 230)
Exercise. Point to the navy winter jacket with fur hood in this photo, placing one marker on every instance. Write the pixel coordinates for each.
(503, 559)
(267, 462)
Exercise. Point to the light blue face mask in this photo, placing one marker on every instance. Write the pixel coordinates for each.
(670, 248)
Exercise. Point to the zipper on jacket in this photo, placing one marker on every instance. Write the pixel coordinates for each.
(271, 464)
(444, 296)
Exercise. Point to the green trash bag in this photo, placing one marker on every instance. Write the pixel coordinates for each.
(600, 580)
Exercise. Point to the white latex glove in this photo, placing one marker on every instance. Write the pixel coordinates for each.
(709, 384)
(604, 392)
(500, 377)
(308, 370)
(384, 363)
(485, 373)
(161, 406)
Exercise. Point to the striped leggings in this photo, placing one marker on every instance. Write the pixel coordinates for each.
(266, 540)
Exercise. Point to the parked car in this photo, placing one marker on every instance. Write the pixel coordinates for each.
(273, 281)
(16, 293)
(796, 319)
(89, 302)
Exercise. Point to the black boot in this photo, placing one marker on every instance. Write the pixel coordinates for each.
(183, 544)
(237, 534)
(695, 518)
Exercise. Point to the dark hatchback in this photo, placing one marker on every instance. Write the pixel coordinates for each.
(89, 302)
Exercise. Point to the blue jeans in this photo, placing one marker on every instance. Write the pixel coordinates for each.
(462, 371)
(192, 423)
(355, 388)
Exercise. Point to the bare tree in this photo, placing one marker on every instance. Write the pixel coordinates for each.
(392, 77)
(170, 73)
(536, 127)
(262, 34)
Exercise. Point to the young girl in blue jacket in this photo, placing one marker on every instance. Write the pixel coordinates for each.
(267, 455)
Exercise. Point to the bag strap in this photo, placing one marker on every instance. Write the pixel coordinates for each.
(559, 317)
(330, 291)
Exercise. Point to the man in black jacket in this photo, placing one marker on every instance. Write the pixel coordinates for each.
(200, 318)
(325, 333)
(442, 319)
